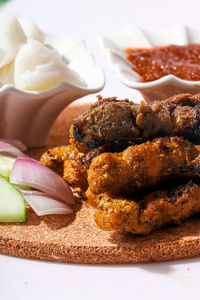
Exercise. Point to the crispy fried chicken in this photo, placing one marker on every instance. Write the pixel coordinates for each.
(142, 166)
(93, 159)
(154, 210)
(111, 121)
(54, 158)
(76, 169)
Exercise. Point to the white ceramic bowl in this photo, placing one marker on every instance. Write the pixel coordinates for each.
(132, 37)
(28, 116)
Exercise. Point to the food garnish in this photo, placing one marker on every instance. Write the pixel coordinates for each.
(18, 144)
(23, 174)
(44, 204)
(9, 149)
(6, 163)
(12, 203)
(27, 171)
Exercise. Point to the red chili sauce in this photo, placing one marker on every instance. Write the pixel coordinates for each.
(152, 64)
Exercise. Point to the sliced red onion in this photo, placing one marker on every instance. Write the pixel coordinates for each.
(28, 192)
(43, 205)
(18, 144)
(27, 171)
(9, 149)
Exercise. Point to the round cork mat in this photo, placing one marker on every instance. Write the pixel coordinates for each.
(75, 238)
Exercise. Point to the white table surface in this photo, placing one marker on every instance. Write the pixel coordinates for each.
(28, 279)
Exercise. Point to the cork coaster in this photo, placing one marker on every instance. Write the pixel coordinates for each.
(75, 238)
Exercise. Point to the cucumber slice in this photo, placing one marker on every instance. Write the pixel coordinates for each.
(6, 163)
(24, 187)
(12, 203)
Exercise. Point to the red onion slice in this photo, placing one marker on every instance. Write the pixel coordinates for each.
(9, 149)
(27, 171)
(18, 144)
(43, 205)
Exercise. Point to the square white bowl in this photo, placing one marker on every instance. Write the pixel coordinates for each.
(132, 37)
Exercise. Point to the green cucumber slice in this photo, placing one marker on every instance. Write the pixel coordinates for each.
(12, 203)
(24, 187)
(6, 163)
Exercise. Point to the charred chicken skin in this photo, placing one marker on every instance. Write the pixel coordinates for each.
(111, 121)
(153, 211)
(142, 166)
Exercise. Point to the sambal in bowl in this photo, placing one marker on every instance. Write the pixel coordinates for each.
(159, 65)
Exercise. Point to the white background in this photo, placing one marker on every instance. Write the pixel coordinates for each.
(28, 279)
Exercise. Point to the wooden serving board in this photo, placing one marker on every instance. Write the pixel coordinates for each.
(75, 238)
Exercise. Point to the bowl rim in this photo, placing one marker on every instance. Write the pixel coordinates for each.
(163, 80)
(125, 65)
(62, 86)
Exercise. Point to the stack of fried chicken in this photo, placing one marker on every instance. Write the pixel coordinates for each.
(137, 164)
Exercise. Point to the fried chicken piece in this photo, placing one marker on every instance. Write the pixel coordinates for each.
(155, 210)
(144, 165)
(111, 121)
(55, 157)
(71, 164)
(75, 170)
(76, 144)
